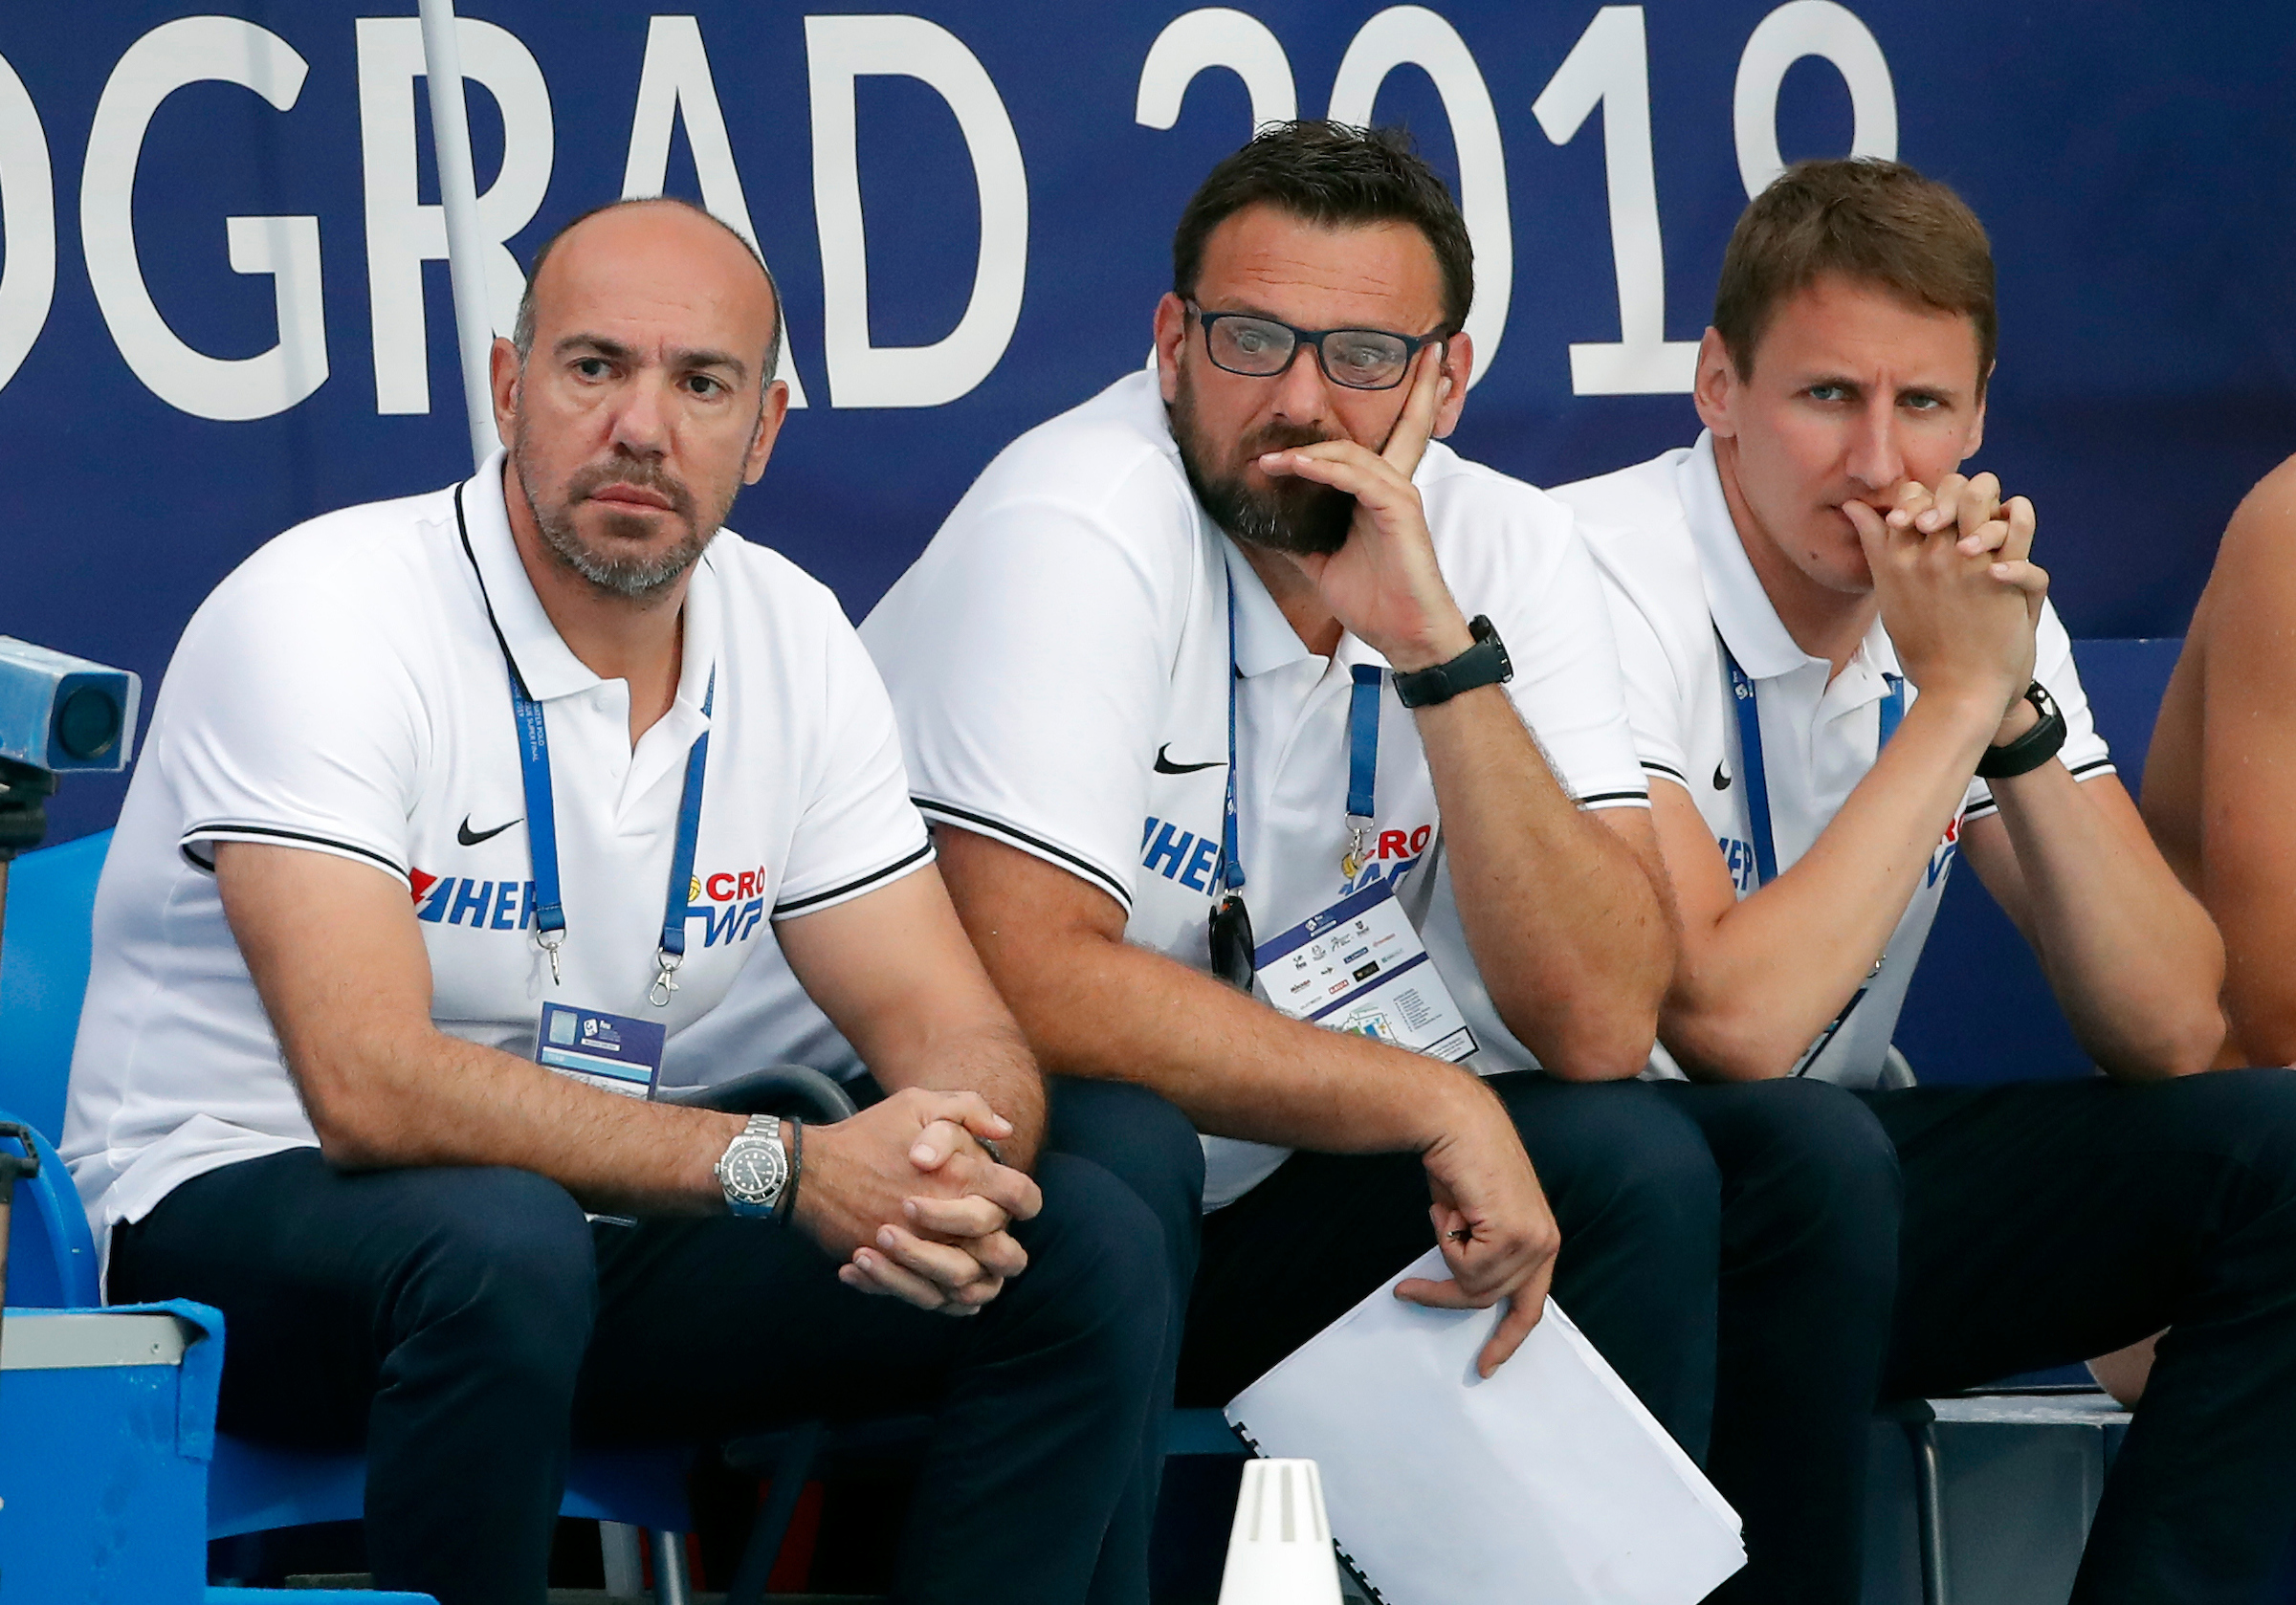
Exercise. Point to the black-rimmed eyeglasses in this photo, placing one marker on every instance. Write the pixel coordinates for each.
(1257, 347)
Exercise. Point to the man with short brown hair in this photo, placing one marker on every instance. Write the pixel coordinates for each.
(1841, 670)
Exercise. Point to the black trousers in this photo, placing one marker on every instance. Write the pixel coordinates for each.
(2049, 1222)
(1646, 1201)
(1762, 1262)
(468, 1325)
(2042, 1225)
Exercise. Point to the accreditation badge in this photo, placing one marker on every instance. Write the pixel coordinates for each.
(611, 1052)
(1360, 966)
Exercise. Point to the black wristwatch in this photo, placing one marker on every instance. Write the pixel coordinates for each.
(2031, 750)
(1486, 662)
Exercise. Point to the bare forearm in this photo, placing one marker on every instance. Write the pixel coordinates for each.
(1759, 982)
(1566, 927)
(1236, 1067)
(987, 1056)
(2130, 953)
(432, 1099)
(895, 972)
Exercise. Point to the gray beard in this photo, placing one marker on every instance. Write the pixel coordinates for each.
(636, 577)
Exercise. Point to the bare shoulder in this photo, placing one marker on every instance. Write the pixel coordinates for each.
(2239, 660)
(2253, 565)
(2241, 635)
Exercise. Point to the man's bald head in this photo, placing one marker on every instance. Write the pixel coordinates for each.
(522, 335)
(633, 398)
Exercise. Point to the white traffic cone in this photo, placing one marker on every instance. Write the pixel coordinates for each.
(1280, 1551)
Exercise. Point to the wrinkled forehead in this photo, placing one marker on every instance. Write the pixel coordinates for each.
(1372, 275)
(655, 278)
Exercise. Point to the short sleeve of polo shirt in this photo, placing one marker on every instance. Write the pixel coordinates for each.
(1653, 688)
(2084, 752)
(1029, 657)
(858, 829)
(289, 719)
(1566, 686)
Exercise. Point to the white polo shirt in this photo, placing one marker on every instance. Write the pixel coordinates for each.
(344, 691)
(1680, 586)
(1059, 657)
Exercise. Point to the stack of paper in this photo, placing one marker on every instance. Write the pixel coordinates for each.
(1550, 1482)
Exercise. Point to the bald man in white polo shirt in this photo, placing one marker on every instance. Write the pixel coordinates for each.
(1236, 636)
(1843, 673)
(533, 768)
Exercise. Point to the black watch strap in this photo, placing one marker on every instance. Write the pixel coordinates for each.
(2034, 748)
(1486, 662)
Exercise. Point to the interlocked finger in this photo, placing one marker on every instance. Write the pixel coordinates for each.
(1915, 503)
(870, 1272)
(968, 1217)
(2023, 521)
(2027, 577)
(945, 1266)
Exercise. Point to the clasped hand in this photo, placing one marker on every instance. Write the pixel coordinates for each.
(905, 1195)
(1958, 591)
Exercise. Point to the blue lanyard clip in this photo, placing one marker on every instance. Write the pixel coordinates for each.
(1362, 769)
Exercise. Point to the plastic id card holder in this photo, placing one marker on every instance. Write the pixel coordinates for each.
(1358, 966)
(611, 1052)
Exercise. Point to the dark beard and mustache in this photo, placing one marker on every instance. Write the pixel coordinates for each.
(634, 574)
(1294, 516)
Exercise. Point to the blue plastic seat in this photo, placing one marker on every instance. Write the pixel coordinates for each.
(44, 957)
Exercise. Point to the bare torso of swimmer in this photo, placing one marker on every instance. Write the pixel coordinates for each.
(2222, 765)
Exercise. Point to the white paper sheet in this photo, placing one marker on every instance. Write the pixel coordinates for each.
(1549, 1483)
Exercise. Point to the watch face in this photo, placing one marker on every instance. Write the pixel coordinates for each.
(755, 1168)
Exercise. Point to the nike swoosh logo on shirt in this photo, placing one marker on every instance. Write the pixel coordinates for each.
(1721, 777)
(470, 838)
(1166, 766)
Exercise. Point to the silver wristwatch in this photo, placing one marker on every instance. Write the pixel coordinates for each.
(754, 1169)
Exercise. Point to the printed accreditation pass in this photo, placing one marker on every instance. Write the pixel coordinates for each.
(1358, 966)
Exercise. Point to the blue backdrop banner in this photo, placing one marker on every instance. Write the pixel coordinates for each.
(223, 303)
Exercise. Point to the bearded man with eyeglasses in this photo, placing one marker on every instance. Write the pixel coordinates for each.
(1243, 707)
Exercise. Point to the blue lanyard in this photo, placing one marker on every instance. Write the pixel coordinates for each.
(1231, 861)
(1362, 765)
(1752, 765)
(541, 838)
(1756, 773)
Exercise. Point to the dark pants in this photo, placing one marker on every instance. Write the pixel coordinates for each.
(465, 1325)
(1648, 1203)
(2050, 1222)
(2042, 1225)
